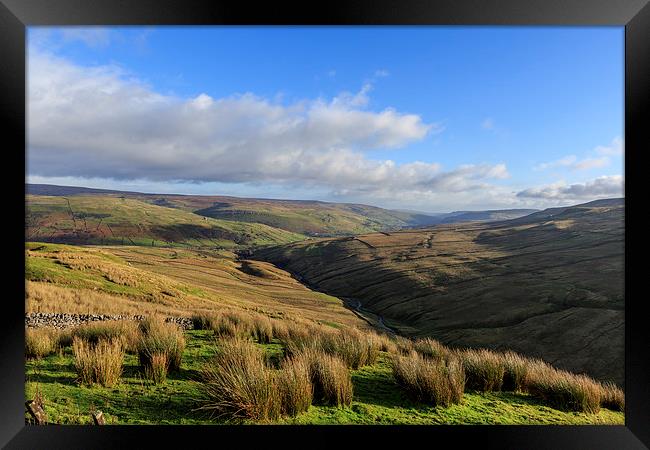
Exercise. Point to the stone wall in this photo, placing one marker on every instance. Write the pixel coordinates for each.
(61, 321)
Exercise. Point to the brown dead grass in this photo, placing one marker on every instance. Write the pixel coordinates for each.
(99, 363)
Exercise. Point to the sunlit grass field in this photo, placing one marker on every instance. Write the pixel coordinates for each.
(377, 398)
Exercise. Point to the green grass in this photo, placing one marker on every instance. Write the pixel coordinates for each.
(46, 263)
(377, 399)
(134, 400)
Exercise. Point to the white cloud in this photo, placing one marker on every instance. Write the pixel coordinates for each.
(572, 162)
(567, 161)
(101, 122)
(347, 99)
(614, 149)
(591, 163)
(601, 187)
(381, 73)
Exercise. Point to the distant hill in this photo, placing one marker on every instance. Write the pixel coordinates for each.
(549, 284)
(120, 220)
(483, 216)
(306, 217)
(53, 190)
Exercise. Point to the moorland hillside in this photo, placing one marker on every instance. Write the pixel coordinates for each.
(548, 285)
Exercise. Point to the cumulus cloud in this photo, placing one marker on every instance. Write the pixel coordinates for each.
(101, 122)
(601, 187)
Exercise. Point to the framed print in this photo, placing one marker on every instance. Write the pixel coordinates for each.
(357, 220)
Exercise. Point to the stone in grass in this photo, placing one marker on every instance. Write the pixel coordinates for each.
(35, 409)
(98, 418)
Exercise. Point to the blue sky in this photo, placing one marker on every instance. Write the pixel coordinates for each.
(425, 118)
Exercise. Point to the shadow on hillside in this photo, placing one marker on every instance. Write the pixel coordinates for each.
(184, 231)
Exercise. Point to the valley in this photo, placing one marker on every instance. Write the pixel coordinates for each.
(547, 285)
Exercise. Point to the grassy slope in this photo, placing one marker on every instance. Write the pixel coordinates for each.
(550, 285)
(377, 399)
(137, 280)
(210, 281)
(302, 217)
(106, 219)
(312, 218)
(307, 217)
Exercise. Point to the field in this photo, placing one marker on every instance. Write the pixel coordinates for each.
(377, 398)
(548, 285)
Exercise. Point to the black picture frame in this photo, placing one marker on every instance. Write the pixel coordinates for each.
(16, 15)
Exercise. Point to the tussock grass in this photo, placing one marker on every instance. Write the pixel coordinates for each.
(294, 386)
(612, 397)
(64, 338)
(484, 369)
(330, 377)
(280, 329)
(430, 348)
(99, 363)
(301, 337)
(261, 329)
(353, 347)
(386, 344)
(125, 330)
(156, 371)
(236, 383)
(225, 328)
(563, 390)
(244, 321)
(40, 342)
(433, 381)
(516, 372)
(231, 324)
(203, 320)
(404, 345)
(160, 338)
